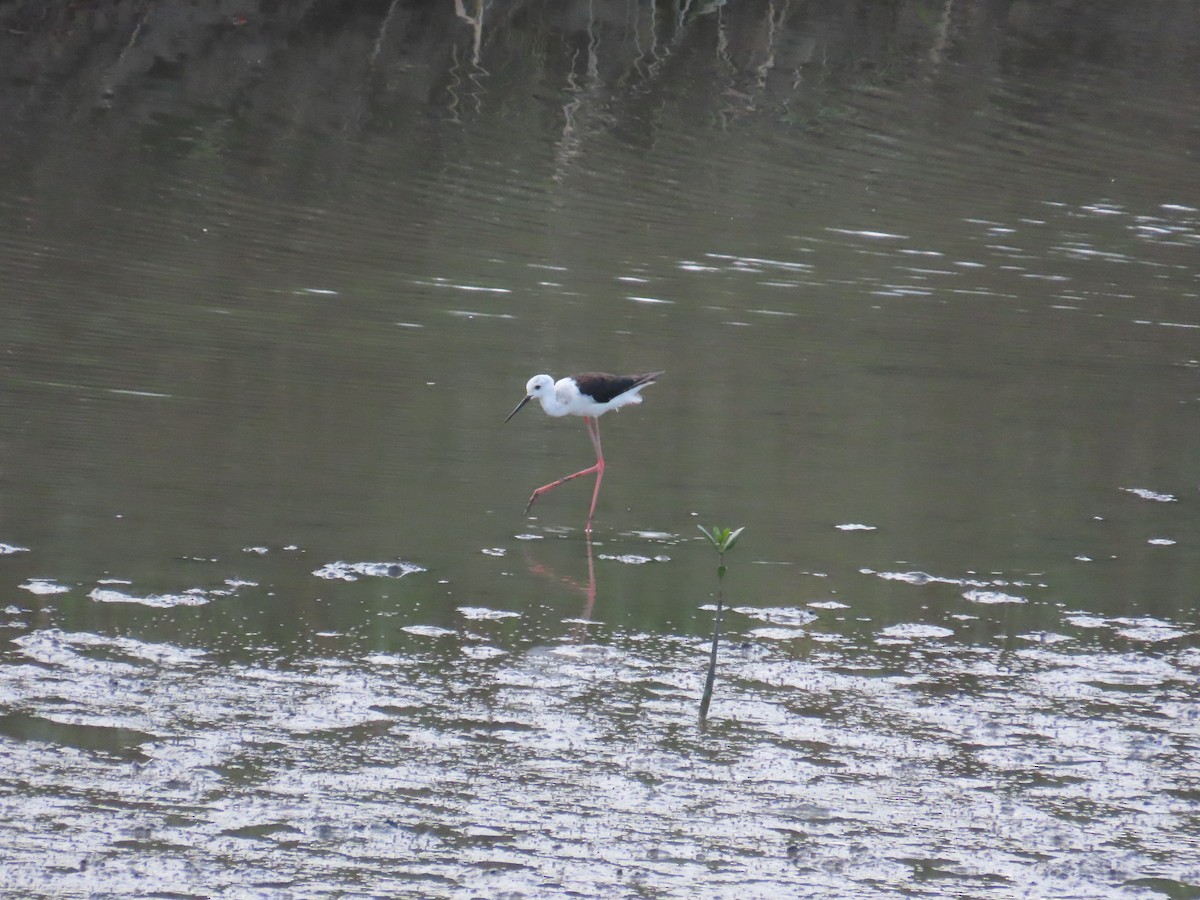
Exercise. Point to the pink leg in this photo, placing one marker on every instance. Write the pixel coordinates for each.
(593, 428)
(594, 433)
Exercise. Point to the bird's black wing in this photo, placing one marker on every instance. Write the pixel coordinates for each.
(602, 387)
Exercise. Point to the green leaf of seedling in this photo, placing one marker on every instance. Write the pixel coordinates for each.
(720, 572)
(731, 538)
(722, 539)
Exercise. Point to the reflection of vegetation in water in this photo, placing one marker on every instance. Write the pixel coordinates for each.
(337, 67)
(722, 540)
(815, 121)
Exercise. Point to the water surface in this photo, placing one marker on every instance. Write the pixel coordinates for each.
(924, 283)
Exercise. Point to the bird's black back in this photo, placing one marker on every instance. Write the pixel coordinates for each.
(603, 387)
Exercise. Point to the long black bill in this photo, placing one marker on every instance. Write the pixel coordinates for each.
(528, 397)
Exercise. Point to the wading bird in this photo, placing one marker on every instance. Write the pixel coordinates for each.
(590, 395)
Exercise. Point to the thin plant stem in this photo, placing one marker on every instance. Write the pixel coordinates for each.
(716, 640)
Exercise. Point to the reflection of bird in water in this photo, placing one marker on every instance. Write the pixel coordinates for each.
(590, 395)
(579, 632)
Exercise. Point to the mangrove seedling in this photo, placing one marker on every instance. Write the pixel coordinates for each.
(722, 540)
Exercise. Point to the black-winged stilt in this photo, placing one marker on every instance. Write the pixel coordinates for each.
(590, 395)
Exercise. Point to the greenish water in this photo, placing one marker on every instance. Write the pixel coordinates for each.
(925, 290)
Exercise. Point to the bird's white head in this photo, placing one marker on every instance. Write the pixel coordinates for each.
(539, 386)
